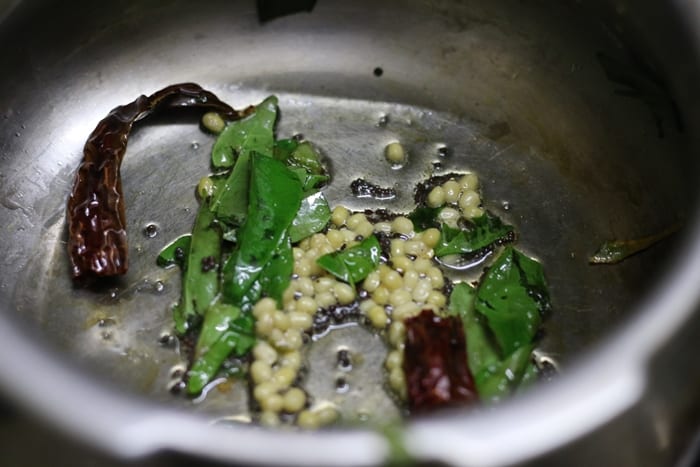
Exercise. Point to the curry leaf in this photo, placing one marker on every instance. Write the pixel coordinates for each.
(300, 154)
(253, 133)
(355, 263)
(306, 156)
(614, 251)
(485, 231)
(200, 278)
(284, 148)
(481, 351)
(424, 217)
(275, 276)
(274, 198)
(312, 217)
(494, 376)
(530, 375)
(501, 378)
(232, 149)
(310, 183)
(238, 338)
(217, 318)
(175, 252)
(231, 202)
(513, 295)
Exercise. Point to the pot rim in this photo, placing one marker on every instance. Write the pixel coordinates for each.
(530, 425)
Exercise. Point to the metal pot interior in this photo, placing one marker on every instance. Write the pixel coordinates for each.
(575, 140)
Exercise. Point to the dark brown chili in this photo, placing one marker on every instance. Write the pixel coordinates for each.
(97, 242)
(435, 363)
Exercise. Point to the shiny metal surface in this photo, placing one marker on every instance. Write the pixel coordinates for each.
(518, 94)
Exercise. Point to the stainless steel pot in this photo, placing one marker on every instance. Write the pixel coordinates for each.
(579, 119)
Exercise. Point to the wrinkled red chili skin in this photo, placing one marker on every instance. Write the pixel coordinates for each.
(97, 240)
(435, 363)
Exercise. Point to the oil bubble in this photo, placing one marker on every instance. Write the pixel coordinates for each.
(460, 263)
(178, 371)
(151, 230)
(106, 322)
(146, 286)
(341, 386)
(344, 360)
(166, 339)
(176, 387)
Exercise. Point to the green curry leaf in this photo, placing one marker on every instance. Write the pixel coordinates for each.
(513, 296)
(200, 277)
(238, 338)
(312, 217)
(175, 252)
(485, 231)
(253, 133)
(274, 199)
(424, 217)
(494, 376)
(503, 377)
(355, 263)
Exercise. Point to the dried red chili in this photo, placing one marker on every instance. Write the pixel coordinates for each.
(435, 363)
(97, 241)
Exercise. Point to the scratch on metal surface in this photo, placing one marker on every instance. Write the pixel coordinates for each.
(499, 152)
